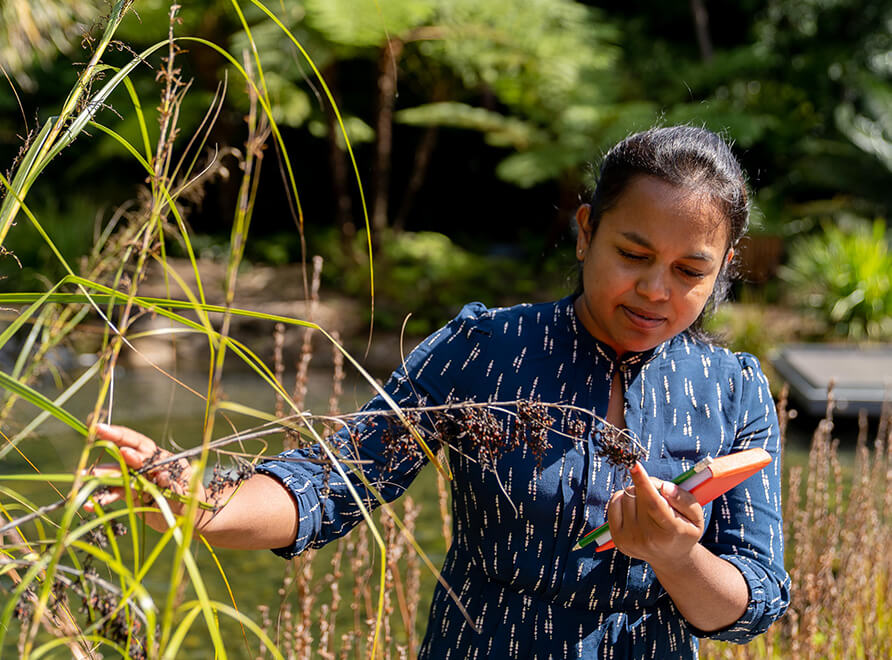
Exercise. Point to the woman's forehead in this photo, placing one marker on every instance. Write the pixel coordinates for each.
(652, 211)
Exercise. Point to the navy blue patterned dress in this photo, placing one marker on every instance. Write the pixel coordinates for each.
(512, 563)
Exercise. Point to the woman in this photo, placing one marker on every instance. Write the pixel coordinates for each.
(655, 246)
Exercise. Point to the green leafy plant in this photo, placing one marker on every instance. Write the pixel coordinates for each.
(843, 274)
(870, 132)
(35, 33)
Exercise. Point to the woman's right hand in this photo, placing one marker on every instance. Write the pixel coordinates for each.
(138, 451)
(257, 513)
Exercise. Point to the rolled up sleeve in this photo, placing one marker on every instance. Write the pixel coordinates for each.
(300, 483)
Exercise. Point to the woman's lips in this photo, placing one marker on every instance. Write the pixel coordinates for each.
(642, 319)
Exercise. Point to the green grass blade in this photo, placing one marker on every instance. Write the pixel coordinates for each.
(36, 398)
(38, 300)
(154, 304)
(114, 563)
(27, 345)
(157, 304)
(114, 450)
(123, 142)
(264, 102)
(97, 101)
(20, 205)
(45, 148)
(185, 557)
(179, 635)
(27, 578)
(222, 573)
(52, 645)
(32, 426)
(25, 504)
(14, 189)
(140, 117)
(252, 626)
(247, 29)
(43, 476)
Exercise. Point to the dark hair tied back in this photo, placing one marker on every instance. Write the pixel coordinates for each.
(688, 157)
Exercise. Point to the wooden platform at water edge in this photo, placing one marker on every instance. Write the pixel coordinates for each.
(861, 376)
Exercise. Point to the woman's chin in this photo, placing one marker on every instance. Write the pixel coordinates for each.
(636, 339)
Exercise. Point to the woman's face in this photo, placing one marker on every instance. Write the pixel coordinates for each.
(651, 265)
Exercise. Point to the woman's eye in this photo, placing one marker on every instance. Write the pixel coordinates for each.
(694, 274)
(631, 255)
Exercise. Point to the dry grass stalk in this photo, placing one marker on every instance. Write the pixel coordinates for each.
(391, 581)
(305, 595)
(362, 604)
(443, 501)
(266, 624)
(346, 646)
(337, 383)
(279, 364)
(306, 349)
(413, 579)
(308, 627)
(329, 612)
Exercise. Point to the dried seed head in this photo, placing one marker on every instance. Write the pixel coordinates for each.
(25, 605)
(98, 538)
(577, 427)
(399, 442)
(533, 425)
(619, 447)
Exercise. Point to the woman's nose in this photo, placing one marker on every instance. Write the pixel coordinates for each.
(653, 285)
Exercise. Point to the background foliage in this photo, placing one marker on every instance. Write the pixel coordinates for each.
(483, 121)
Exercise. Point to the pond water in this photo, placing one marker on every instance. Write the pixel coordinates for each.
(153, 404)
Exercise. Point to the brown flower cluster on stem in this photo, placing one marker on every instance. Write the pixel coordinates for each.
(618, 447)
(524, 423)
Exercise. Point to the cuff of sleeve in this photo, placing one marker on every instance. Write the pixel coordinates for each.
(309, 509)
(751, 622)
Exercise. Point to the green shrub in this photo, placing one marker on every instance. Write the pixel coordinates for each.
(844, 274)
(432, 277)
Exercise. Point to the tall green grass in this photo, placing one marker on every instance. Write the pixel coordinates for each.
(52, 550)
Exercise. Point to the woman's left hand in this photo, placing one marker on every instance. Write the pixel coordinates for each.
(655, 520)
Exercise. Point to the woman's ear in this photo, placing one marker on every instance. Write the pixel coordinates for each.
(584, 235)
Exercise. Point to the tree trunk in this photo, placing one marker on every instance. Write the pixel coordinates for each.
(387, 71)
(701, 25)
(340, 177)
(419, 171)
